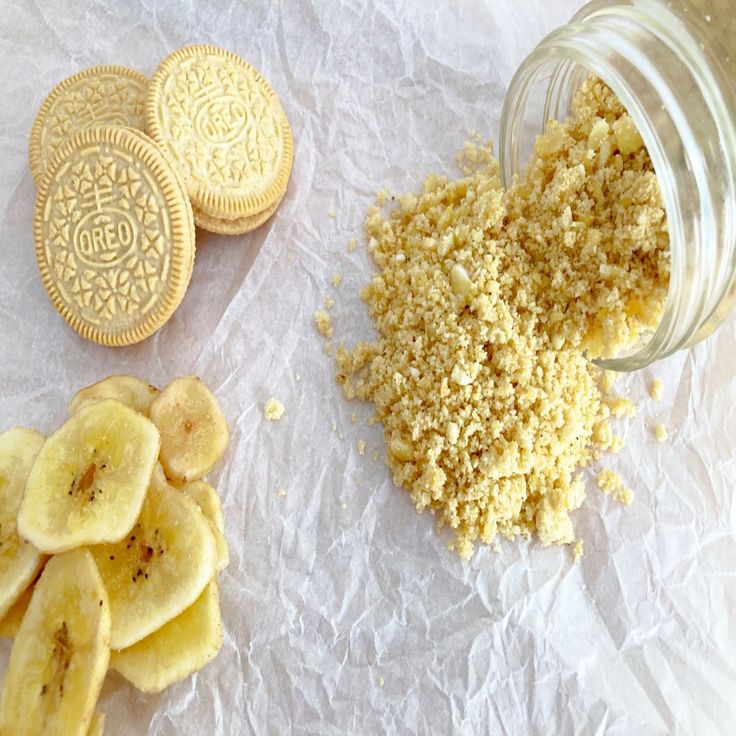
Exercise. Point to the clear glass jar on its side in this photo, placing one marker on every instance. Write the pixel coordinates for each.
(673, 66)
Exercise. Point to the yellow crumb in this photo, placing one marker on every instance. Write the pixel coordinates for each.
(327, 348)
(324, 323)
(336, 280)
(612, 484)
(381, 682)
(361, 447)
(656, 390)
(622, 407)
(282, 492)
(273, 410)
(374, 456)
(490, 305)
(329, 302)
(334, 426)
(661, 433)
(578, 550)
(352, 245)
(332, 213)
(353, 418)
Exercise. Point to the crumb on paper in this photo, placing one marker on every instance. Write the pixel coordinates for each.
(329, 302)
(661, 433)
(273, 410)
(353, 418)
(361, 447)
(344, 506)
(489, 307)
(282, 492)
(657, 388)
(336, 279)
(324, 323)
(617, 444)
(578, 551)
(612, 484)
(327, 348)
(298, 376)
(621, 407)
(332, 212)
(352, 245)
(374, 456)
(608, 380)
(381, 682)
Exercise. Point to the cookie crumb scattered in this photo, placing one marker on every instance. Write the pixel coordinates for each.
(327, 348)
(282, 492)
(352, 245)
(324, 323)
(273, 410)
(656, 390)
(336, 280)
(332, 213)
(611, 483)
(381, 682)
(578, 551)
(490, 306)
(361, 447)
(621, 407)
(661, 433)
(329, 302)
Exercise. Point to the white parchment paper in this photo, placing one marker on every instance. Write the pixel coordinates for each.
(344, 613)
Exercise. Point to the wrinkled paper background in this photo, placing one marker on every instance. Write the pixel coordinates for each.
(344, 612)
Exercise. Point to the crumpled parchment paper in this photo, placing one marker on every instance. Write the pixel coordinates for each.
(344, 613)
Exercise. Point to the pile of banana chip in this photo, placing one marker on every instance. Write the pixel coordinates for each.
(128, 539)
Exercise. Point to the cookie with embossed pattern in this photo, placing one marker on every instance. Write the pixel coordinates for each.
(102, 95)
(237, 225)
(221, 124)
(114, 235)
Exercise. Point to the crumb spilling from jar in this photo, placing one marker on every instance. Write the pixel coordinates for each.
(486, 304)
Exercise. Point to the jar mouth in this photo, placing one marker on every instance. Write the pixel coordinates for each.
(611, 48)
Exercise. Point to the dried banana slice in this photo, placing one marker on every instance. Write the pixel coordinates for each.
(182, 646)
(11, 623)
(193, 429)
(19, 560)
(128, 390)
(89, 480)
(160, 568)
(61, 652)
(209, 503)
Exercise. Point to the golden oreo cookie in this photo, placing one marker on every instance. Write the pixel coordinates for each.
(102, 95)
(221, 124)
(114, 236)
(236, 226)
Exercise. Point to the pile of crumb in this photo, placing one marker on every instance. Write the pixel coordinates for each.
(486, 304)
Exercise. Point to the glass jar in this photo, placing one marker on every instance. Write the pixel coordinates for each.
(673, 66)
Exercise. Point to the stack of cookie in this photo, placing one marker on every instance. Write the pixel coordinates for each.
(125, 168)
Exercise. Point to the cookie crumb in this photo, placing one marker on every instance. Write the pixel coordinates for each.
(336, 280)
(578, 550)
(332, 213)
(361, 447)
(273, 410)
(324, 323)
(612, 484)
(327, 348)
(621, 407)
(656, 390)
(329, 302)
(352, 245)
(661, 433)
(381, 682)
(282, 492)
